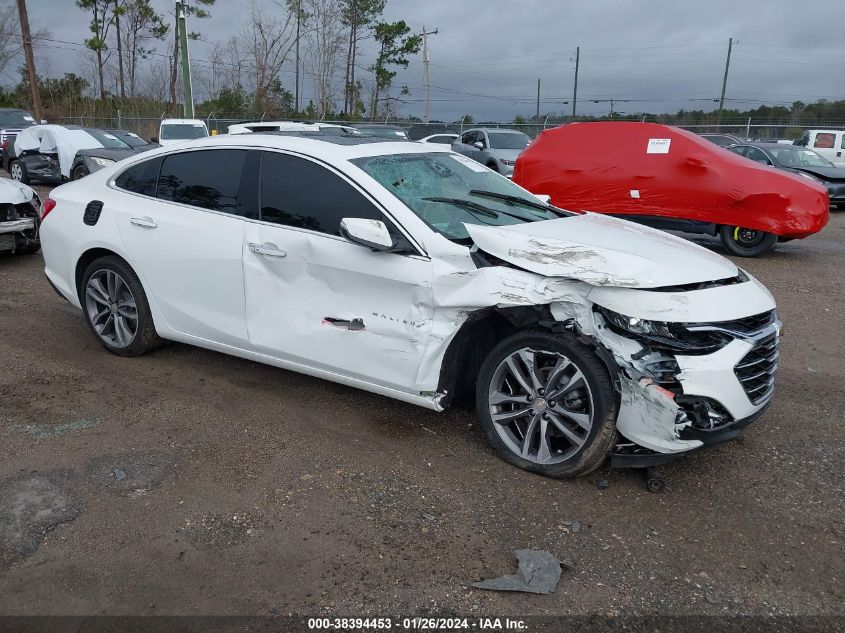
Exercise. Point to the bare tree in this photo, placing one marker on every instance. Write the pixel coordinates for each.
(359, 17)
(102, 18)
(141, 24)
(267, 42)
(325, 45)
(11, 44)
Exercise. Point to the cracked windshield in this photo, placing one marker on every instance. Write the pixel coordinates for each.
(447, 191)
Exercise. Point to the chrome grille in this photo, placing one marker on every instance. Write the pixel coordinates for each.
(756, 370)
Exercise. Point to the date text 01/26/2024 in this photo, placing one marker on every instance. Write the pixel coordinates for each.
(417, 624)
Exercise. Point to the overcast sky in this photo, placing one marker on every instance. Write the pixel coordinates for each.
(650, 55)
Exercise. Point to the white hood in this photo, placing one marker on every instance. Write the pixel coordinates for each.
(12, 192)
(603, 251)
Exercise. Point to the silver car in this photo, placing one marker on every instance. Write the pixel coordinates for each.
(493, 147)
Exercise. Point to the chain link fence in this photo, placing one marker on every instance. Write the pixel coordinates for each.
(147, 127)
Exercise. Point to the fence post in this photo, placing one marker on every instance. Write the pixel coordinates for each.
(119, 121)
(748, 129)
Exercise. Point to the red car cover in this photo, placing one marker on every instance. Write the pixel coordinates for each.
(648, 169)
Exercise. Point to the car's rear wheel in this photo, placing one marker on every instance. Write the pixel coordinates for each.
(745, 242)
(116, 307)
(17, 170)
(547, 404)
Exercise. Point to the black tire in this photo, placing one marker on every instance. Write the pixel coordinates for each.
(145, 338)
(24, 176)
(493, 166)
(80, 172)
(744, 242)
(597, 441)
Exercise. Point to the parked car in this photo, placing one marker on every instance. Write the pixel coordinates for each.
(722, 140)
(672, 179)
(828, 143)
(384, 131)
(424, 130)
(798, 160)
(19, 218)
(418, 274)
(326, 129)
(12, 121)
(446, 139)
(496, 148)
(132, 139)
(177, 130)
(53, 153)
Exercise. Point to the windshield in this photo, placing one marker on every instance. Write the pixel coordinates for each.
(463, 190)
(791, 156)
(179, 131)
(107, 140)
(508, 140)
(384, 132)
(130, 138)
(16, 118)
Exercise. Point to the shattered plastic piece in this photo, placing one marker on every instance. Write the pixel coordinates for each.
(119, 475)
(603, 484)
(538, 572)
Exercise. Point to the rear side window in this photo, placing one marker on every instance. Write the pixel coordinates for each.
(303, 194)
(140, 178)
(209, 179)
(825, 140)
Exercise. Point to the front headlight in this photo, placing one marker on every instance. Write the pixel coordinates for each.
(810, 176)
(672, 337)
(102, 162)
(509, 163)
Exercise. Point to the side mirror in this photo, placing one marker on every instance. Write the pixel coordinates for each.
(43, 121)
(478, 145)
(153, 139)
(370, 233)
(543, 197)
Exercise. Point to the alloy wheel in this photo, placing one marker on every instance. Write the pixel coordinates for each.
(541, 405)
(16, 172)
(111, 308)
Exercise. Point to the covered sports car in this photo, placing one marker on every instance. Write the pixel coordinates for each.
(671, 179)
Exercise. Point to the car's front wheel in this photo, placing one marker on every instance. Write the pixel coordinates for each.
(116, 307)
(547, 404)
(747, 242)
(80, 172)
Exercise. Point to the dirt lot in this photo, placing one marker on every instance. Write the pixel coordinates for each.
(190, 482)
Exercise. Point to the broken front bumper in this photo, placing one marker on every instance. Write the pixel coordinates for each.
(16, 226)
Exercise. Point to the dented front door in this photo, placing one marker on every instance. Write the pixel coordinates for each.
(324, 302)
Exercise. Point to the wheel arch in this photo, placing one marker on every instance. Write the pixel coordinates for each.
(91, 255)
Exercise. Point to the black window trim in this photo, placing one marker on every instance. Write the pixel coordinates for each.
(372, 199)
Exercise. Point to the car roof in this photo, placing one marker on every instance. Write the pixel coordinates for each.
(329, 148)
(768, 145)
(495, 129)
(183, 121)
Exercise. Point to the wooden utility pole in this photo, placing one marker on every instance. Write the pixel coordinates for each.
(30, 61)
(296, 88)
(425, 35)
(725, 79)
(575, 89)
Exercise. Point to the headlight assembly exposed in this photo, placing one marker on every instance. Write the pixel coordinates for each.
(102, 162)
(509, 163)
(673, 337)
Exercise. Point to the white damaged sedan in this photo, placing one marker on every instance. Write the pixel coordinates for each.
(418, 274)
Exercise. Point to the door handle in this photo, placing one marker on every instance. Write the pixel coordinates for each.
(271, 250)
(145, 222)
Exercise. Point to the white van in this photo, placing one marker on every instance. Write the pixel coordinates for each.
(828, 143)
(178, 130)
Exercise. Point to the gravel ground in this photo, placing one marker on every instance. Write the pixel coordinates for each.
(188, 482)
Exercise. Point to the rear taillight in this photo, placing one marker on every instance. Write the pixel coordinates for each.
(48, 205)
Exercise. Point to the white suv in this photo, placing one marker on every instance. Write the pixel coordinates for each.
(418, 274)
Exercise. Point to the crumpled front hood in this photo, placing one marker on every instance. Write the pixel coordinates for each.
(602, 251)
(12, 192)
